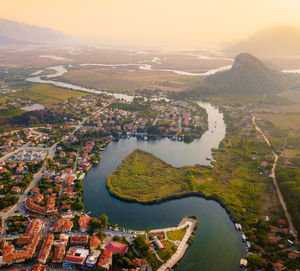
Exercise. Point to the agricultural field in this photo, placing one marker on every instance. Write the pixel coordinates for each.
(124, 80)
(48, 94)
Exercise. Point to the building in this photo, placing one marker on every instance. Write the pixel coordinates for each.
(75, 258)
(84, 223)
(62, 225)
(105, 260)
(59, 253)
(116, 247)
(158, 243)
(39, 267)
(46, 248)
(91, 260)
(79, 240)
(94, 242)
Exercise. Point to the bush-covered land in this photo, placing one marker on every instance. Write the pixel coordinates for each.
(145, 178)
(237, 180)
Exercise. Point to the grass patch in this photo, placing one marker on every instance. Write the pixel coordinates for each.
(144, 177)
(166, 253)
(176, 235)
(48, 94)
(11, 112)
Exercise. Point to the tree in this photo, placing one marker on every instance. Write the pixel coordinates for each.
(104, 220)
(254, 261)
(79, 206)
(95, 224)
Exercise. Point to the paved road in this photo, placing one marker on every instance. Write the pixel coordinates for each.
(183, 245)
(20, 204)
(273, 175)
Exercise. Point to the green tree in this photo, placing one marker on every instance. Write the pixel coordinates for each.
(104, 220)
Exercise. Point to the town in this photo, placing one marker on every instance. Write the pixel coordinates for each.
(42, 174)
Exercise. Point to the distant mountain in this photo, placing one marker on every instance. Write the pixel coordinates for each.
(281, 41)
(5, 41)
(248, 75)
(16, 32)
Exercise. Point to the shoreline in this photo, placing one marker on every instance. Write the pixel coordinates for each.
(174, 197)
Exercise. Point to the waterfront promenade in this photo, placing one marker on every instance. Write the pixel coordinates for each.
(190, 223)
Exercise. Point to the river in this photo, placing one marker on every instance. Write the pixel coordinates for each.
(217, 245)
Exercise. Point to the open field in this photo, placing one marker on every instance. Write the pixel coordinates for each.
(234, 181)
(125, 79)
(284, 120)
(11, 113)
(176, 235)
(48, 94)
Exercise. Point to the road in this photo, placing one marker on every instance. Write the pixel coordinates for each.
(20, 204)
(183, 245)
(273, 175)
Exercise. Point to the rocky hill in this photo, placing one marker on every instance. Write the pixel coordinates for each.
(247, 75)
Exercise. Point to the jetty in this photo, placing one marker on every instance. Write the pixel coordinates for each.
(188, 223)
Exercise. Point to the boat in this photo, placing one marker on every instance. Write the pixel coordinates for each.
(244, 238)
(238, 227)
(102, 149)
(248, 244)
(243, 263)
(208, 158)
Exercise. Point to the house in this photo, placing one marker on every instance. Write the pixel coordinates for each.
(94, 242)
(15, 189)
(35, 190)
(91, 260)
(79, 240)
(75, 257)
(46, 248)
(84, 223)
(38, 197)
(137, 263)
(39, 267)
(20, 169)
(105, 260)
(278, 266)
(264, 163)
(23, 240)
(59, 253)
(294, 255)
(282, 222)
(116, 247)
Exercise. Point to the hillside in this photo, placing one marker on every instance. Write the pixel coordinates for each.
(248, 75)
(281, 41)
(16, 32)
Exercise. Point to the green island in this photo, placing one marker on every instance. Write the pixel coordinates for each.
(234, 181)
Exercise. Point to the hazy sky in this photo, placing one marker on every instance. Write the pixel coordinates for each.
(182, 22)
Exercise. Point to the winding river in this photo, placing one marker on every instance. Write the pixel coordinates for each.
(217, 245)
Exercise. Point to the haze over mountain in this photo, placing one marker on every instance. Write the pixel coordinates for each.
(248, 75)
(280, 41)
(15, 33)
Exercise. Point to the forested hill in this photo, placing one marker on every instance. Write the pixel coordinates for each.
(247, 75)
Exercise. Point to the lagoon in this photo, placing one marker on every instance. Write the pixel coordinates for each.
(217, 245)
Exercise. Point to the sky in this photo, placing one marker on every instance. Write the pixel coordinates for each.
(178, 22)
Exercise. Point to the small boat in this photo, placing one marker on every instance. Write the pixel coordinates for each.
(243, 263)
(102, 149)
(238, 227)
(244, 238)
(208, 158)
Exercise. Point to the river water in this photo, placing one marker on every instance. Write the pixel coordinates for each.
(217, 245)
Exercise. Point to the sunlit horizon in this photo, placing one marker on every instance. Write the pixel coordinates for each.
(152, 23)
